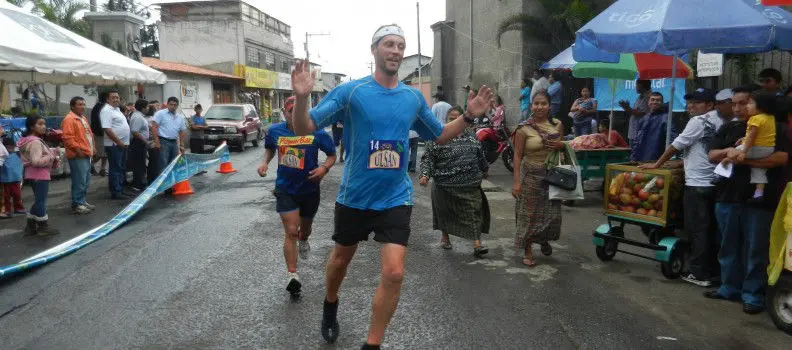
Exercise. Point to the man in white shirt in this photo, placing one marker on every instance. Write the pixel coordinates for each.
(699, 198)
(440, 108)
(540, 82)
(116, 143)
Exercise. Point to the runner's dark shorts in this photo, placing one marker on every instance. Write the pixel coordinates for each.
(389, 226)
(307, 204)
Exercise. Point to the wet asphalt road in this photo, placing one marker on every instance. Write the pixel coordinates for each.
(207, 272)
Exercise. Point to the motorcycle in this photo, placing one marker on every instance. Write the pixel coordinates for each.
(495, 142)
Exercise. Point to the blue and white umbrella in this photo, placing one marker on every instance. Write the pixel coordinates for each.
(563, 60)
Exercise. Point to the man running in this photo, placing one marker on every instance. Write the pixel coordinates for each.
(375, 192)
(297, 185)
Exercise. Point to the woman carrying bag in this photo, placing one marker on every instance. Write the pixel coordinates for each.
(538, 219)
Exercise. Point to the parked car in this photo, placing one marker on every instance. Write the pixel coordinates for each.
(235, 123)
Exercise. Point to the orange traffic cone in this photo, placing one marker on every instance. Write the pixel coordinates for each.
(182, 188)
(226, 168)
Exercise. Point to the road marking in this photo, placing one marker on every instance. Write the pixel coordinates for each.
(659, 337)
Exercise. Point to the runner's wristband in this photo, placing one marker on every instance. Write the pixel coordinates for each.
(468, 119)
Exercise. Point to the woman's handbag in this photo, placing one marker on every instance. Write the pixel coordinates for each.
(564, 179)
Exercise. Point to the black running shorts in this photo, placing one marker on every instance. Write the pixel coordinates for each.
(307, 204)
(389, 226)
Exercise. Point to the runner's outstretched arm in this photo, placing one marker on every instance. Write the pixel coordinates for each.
(302, 83)
(477, 106)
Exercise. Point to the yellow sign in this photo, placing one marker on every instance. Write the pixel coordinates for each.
(256, 77)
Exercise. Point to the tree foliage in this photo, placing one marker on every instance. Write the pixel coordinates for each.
(64, 13)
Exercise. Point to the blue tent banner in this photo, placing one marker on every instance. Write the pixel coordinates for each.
(625, 90)
(182, 168)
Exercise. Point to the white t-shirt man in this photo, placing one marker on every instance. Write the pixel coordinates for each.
(540, 84)
(113, 119)
(440, 110)
(693, 141)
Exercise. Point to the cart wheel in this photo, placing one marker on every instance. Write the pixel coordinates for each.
(779, 303)
(608, 251)
(673, 268)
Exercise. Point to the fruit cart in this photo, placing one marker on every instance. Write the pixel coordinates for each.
(593, 161)
(651, 199)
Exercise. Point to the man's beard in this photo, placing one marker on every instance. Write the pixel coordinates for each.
(383, 66)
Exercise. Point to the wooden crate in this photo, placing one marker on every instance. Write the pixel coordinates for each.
(657, 202)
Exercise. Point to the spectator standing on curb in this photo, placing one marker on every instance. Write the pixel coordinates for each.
(116, 142)
(699, 194)
(638, 110)
(79, 143)
(441, 107)
(11, 180)
(139, 144)
(770, 81)
(100, 156)
(525, 99)
(38, 160)
(540, 83)
(168, 130)
(744, 224)
(197, 131)
(152, 170)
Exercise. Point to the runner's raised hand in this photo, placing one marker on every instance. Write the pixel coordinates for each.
(303, 79)
(479, 104)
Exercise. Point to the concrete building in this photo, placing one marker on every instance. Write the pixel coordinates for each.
(466, 50)
(425, 83)
(192, 85)
(233, 37)
(410, 64)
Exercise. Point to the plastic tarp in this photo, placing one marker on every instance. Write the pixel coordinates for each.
(34, 49)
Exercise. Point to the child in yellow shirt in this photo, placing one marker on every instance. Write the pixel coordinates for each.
(759, 141)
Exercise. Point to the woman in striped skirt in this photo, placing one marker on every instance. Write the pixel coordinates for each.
(538, 219)
(459, 206)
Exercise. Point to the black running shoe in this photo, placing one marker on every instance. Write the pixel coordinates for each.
(330, 322)
(294, 287)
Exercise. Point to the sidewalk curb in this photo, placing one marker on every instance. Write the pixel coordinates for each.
(488, 186)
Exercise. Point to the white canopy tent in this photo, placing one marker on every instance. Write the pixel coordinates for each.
(33, 49)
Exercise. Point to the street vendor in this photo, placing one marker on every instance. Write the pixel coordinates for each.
(650, 141)
(699, 197)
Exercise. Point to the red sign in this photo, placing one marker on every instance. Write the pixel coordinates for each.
(776, 2)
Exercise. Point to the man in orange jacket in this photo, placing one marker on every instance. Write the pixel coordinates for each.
(79, 142)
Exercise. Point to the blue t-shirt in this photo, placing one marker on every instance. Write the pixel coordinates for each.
(198, 120)
(297, 156)
(377, 122)
(525, 98)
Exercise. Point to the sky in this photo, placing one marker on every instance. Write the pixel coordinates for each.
(350, 25)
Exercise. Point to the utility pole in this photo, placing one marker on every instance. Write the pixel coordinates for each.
(307, 37)
(418, 22)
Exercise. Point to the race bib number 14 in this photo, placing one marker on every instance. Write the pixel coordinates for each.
(385, 154)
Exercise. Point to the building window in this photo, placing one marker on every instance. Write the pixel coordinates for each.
(285, 65)
(287, 30)
(251, 15)
(272, 24)
(269, 60)
(252, 56)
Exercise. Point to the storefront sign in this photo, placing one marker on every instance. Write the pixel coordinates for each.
(284, 82)
(257, 77)
(709, 64)
(189, 95)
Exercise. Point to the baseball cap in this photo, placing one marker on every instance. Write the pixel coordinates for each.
(723, 95)
(288, 105)
(702, 94)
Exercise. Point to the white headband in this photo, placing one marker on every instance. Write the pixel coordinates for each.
(385, 31)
